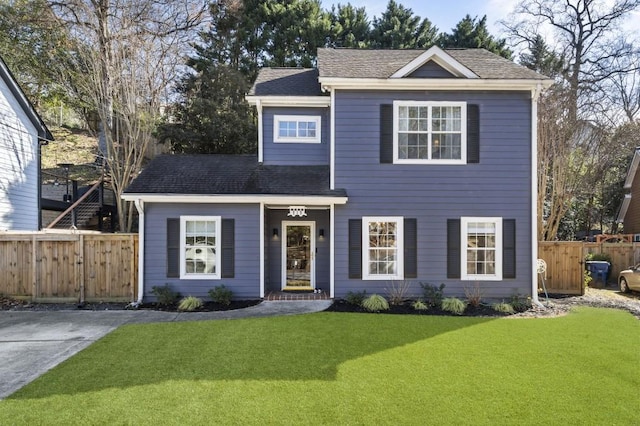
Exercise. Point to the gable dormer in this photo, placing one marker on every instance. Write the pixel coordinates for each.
(434, 63)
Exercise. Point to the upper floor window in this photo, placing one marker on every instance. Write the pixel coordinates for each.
(296, 128)
(429, 132)
(200, 247)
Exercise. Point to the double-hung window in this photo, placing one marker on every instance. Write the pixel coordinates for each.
(481, 243)
(430, 132)
(382, 248)
(200, 247)
(296, 128)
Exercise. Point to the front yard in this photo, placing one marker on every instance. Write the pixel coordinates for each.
(335, 368)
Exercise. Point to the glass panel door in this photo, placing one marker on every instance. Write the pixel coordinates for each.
(298, 255)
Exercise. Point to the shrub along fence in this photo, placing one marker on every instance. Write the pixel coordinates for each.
(73, 266)
(565, 262)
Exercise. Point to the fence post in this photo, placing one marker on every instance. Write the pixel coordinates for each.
(34, 269)
(80, 266)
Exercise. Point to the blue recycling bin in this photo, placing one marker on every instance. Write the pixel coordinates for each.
(599, 269)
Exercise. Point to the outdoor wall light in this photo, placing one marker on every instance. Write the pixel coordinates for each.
(321, 233)
(275, 232)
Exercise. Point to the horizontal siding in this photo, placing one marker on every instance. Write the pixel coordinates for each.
(498, 186)
(245, 284)
(295, 153)
(18, 166)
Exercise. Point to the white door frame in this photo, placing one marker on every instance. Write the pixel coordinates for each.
(312, 242)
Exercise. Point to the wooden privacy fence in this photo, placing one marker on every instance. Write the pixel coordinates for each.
(72, 266)
(565, 262)
(88, 266)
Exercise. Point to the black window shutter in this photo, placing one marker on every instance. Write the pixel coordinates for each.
(386, 133)
(473, 133)
(173, 248)
(355, 248)
(410, 248)
(228, 248)
(508, 248)
(453, 248)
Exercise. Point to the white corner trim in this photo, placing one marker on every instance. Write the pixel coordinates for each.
(260, 132)
(535, 94)
(262, 248)
(141, 238)
(332, 141)
(441, 58)
(332, 251)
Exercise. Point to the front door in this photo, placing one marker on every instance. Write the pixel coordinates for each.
(298, 255)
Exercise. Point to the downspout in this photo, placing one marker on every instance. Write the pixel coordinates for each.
(140, 207)
(535, 94)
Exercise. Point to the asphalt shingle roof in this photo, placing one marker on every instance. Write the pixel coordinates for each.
(229, 174)
(286, 82)
(370, 63)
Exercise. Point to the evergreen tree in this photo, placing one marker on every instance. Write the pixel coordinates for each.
(349, 27)
(213, 116)
(473, 33)
(541, 59)
(399, 28)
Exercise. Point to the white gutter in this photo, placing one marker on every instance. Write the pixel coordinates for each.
(140, 207)
(299, 101)
(328, 83)
(535, 94)
(307, 200)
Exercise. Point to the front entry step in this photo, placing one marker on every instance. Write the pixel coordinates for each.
(296, 295)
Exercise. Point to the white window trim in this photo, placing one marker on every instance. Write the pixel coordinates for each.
(218, 226)
(399, 220)
(463, 129)
(464, 225)
(297, 118)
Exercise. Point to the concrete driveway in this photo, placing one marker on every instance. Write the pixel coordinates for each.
(33, 342)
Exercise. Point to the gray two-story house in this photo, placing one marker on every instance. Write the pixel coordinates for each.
(378, 166)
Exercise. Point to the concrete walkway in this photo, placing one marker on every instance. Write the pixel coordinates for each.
(33, 342)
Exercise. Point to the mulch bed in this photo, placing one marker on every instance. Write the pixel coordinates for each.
(481, 310)
(8, 304)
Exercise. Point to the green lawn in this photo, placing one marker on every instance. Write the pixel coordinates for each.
(333, 368)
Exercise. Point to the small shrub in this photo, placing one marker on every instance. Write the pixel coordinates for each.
(520, 304)
(355, 297)
(397, 293)
(453, 305)
(190, 304)
(221, 294)
(419, 305)
(375, 303)
(165, 295)
(473, 294)
(432, 295)
(587, 278)
(505, 308)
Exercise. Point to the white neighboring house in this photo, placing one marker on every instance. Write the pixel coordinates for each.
(22, 132)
